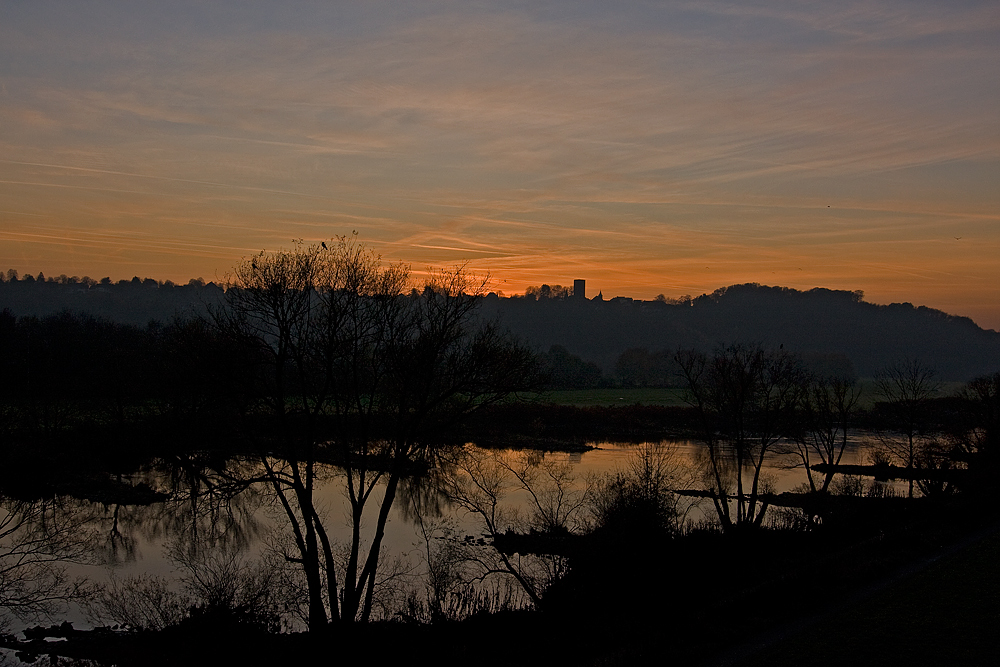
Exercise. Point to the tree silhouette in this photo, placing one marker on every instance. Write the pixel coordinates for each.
(827, 407)
(360, 374)
(746, 398)
(906, 389)
(37, 539)
(973, 434)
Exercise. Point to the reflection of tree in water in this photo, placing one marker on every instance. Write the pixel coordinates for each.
(421, 498)
(219, 498)
(37, 539)
(211, 526)
(208, 498)
(118, 545)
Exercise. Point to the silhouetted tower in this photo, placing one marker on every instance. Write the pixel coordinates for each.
(579, 289)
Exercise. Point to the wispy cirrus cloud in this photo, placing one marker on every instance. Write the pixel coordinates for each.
(633, 144)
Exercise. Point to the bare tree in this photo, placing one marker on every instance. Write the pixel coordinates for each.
(481, 481)
(143, 602)
(746, 398)
(269, 302)
(642, 494)
(324, 317)
(454, 585)
(828, 405)
(977, 436)
(557, 499)
(223, 582)
(367, 373)
(906, 389)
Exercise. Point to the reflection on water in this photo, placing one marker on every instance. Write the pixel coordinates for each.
(227, 516)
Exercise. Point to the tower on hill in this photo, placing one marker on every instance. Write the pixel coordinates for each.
(579, 289)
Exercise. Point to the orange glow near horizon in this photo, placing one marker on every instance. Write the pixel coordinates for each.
(648, 150)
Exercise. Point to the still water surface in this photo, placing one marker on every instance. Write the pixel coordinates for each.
(134, 540)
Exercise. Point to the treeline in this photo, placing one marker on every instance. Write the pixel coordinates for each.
(627, 340)
(135, 301)
(639, 367)
(221, 371)
(68, 370)
(13, 276)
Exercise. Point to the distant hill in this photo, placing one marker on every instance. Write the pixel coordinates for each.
(816, 322)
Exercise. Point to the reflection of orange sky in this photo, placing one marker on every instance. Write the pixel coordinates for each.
(822, 147)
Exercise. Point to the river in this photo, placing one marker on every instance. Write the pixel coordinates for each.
(209, 512)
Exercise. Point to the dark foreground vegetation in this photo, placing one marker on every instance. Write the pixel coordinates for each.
(321, 366)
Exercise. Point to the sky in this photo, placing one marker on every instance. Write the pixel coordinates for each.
(646, 147)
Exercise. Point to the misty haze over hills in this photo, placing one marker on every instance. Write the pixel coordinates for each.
(814, 322)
